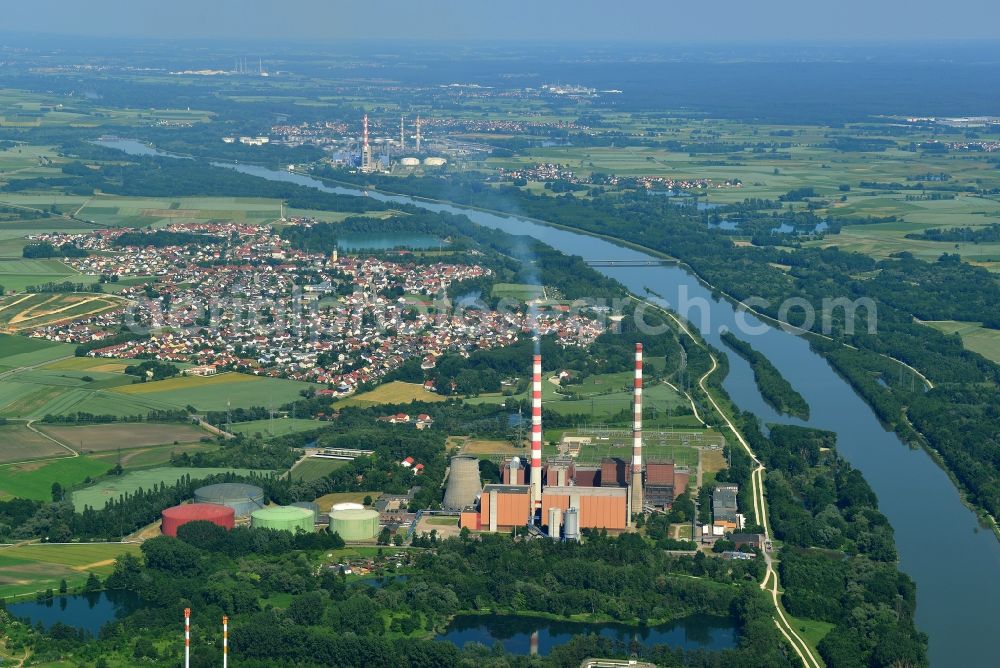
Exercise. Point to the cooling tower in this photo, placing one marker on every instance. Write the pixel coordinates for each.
(463, 483)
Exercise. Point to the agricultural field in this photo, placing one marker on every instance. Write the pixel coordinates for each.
(314, 468)
(113, 211)
(18, 351)
(277, 427)
(974, 336)
(35, 393)
(27, 568)
(90, 364)
(18, 443)
(105, 437)
(34, 480)
(215, 393)
(27, 311)
(23, 312)
(161, 455)
(28, 109)
(17, 274)
(101, 492)
(396, 392)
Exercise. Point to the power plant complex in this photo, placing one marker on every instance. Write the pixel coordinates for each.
(561, 494)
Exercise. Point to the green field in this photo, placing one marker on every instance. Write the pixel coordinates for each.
(28, 568)
(974, 336)
(18, 351)
(34, 480)
(517, 291)
(277, 427)
(215, 393)
(99, 493)
(315, 468)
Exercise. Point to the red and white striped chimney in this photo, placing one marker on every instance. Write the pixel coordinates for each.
(225, 642)
(637, 434)
(536, 432)
(187, 637)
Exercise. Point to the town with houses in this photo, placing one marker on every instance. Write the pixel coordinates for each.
(236, 297)
(552, 172)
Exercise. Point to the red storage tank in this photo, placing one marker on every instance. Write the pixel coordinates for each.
(224, 516)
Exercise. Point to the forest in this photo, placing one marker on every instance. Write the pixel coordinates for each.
(328, 620)
(774, 387)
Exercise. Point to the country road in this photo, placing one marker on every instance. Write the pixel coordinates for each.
(800, 646)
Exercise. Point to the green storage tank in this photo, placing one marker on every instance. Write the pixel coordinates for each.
(354, 524)
(285, 518)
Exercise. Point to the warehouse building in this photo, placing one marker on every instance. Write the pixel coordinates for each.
(724, 507)
(501, 508)
(598, 507)
(664, 483)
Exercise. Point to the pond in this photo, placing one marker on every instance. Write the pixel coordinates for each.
(534, 635)
(87, 612)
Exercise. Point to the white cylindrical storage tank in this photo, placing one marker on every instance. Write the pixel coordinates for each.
(435, 162)
(572, 524)
(409, 162)
(346, 505)
(555, 516)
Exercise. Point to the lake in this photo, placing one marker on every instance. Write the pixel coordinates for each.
(88, 612)
(534, 635)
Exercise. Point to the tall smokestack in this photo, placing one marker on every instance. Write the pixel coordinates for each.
(418, 134)
(637, 434)
(187, 637)
(536, 433)
(402, 135)
(365, 143)
(225, 641)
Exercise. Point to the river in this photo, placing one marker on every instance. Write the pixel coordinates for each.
(941, 546)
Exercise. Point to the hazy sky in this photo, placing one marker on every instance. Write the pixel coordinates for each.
(646, 20)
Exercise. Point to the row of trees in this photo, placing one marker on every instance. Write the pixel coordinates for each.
(774, 387)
